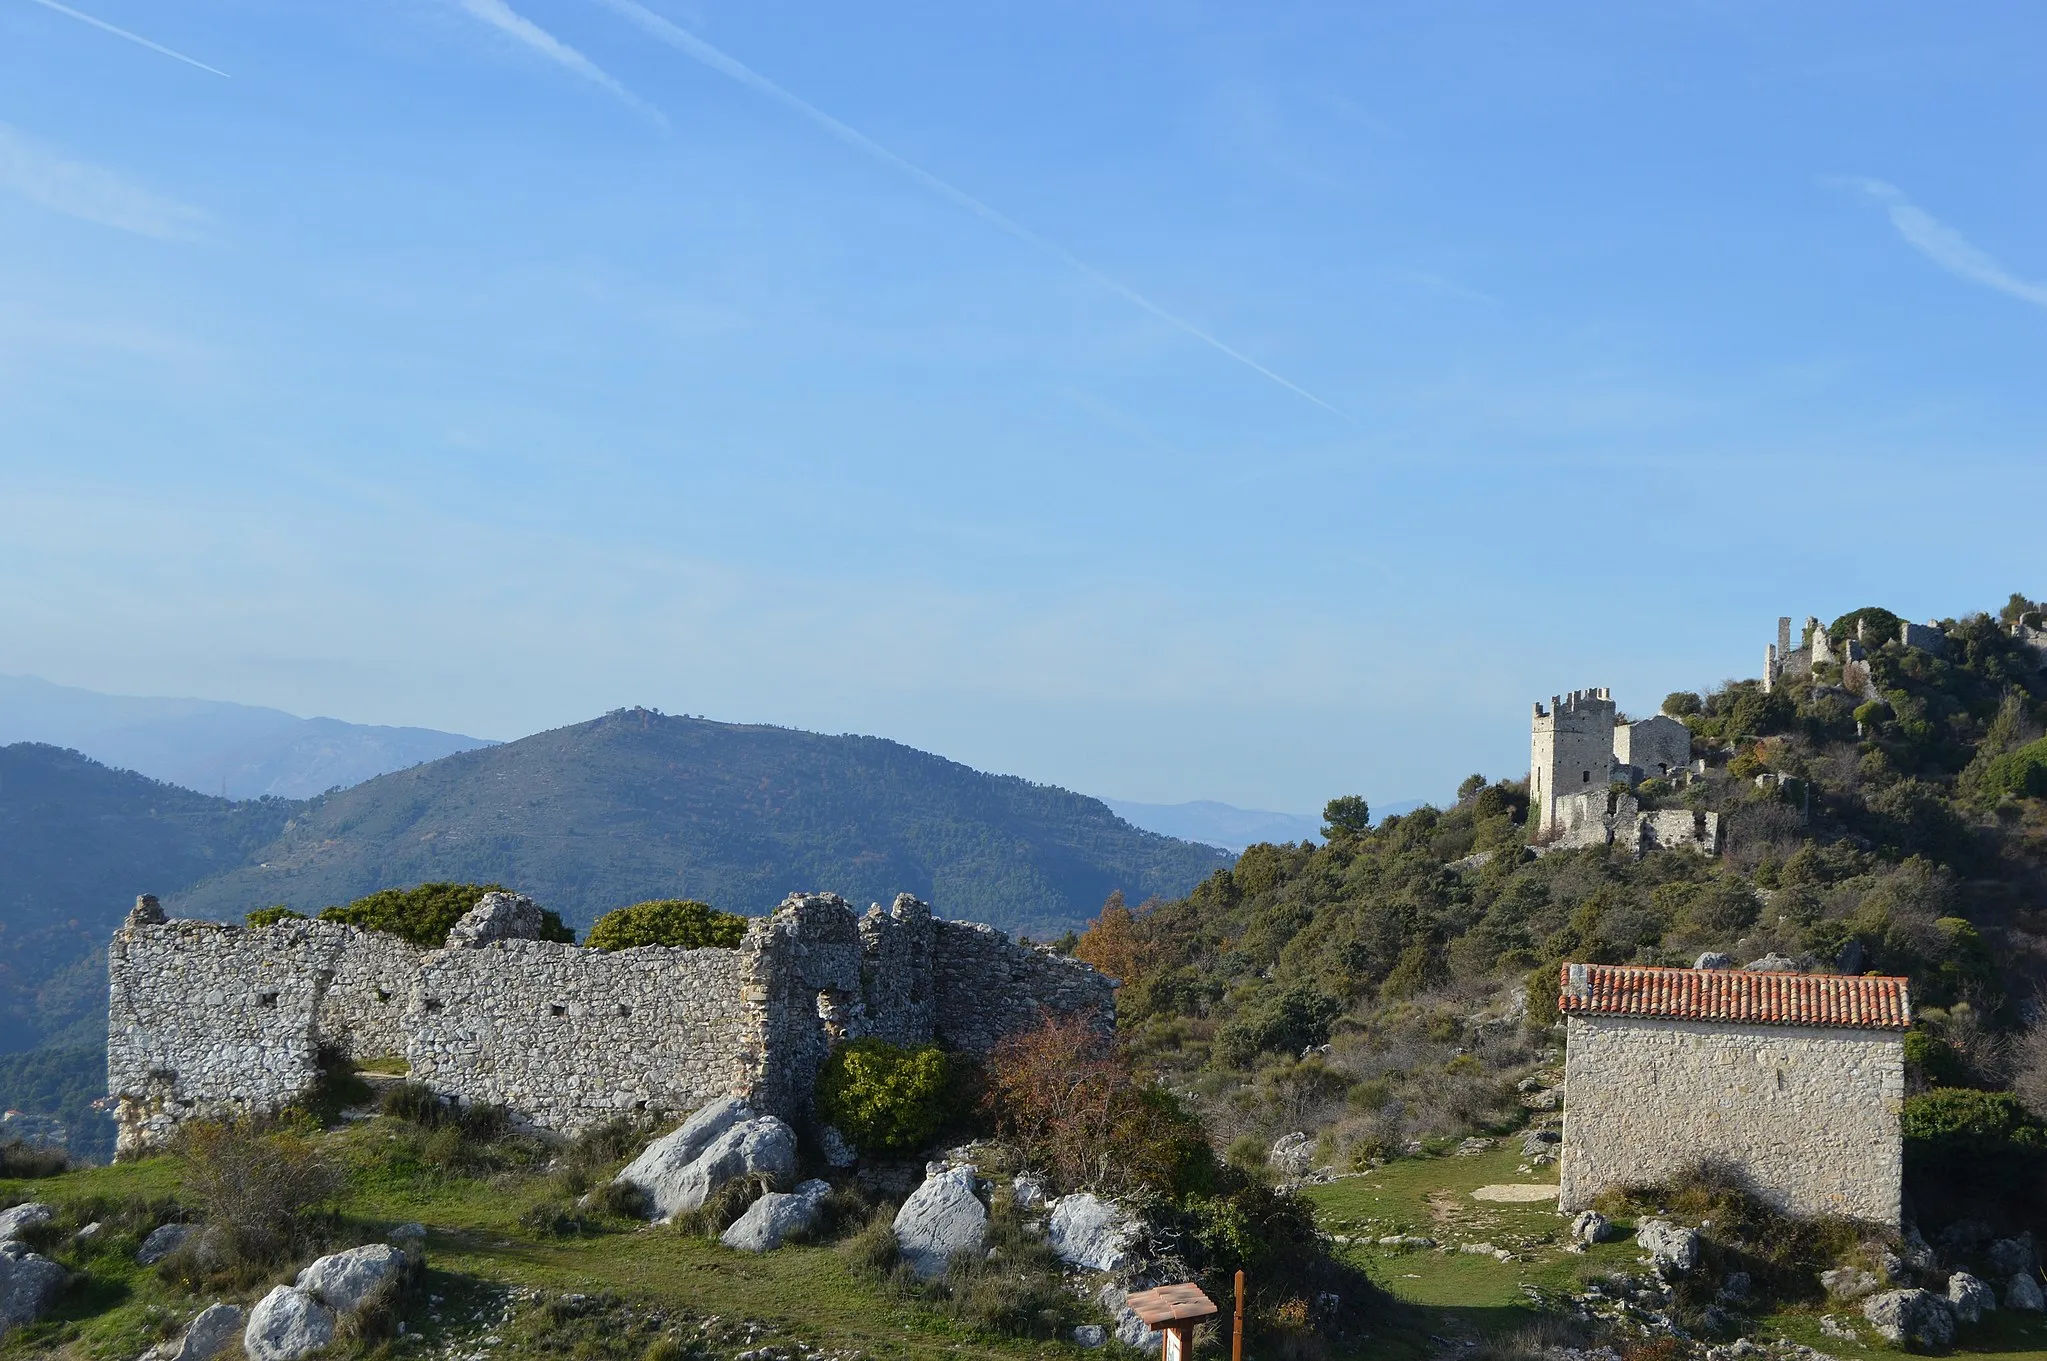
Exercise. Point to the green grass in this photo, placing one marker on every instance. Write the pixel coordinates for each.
(1457, 1295)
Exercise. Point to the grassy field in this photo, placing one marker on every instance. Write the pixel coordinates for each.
(488, 1272)
(1461, 1296)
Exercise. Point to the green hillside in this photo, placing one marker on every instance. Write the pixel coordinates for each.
(639, 805)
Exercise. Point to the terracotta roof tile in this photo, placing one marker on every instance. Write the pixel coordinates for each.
(1736, 996)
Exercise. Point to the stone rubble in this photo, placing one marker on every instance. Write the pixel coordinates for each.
(724, 1140)
(29, 1285)
(775, 1216)
(941, 1218)
(1094, 1234)
(1902, 1316)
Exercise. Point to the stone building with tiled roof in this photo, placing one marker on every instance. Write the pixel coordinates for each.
(1795, 1079)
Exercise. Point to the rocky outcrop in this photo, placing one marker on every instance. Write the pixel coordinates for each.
(1672, 1249)
(1969, 1298)
(496, 916)
(775, 1216)
(2023, 1294)
(29, 1285)
(1591, 1227)
(1848, 1283)
(723, 1141)
(344, 1280)
(22, 1218)
(1131, 1331)
(287, 1324)
(161, 1243)
(942, 1217)
(204, 1338)
(2010, 1256)
(1292, 1155)
(1090, 1232)
(1911, 1316)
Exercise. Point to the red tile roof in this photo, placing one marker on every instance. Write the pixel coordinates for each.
(1736, 996)
(1171, 1304)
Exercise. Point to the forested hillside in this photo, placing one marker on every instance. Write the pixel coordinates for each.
(1390, 984)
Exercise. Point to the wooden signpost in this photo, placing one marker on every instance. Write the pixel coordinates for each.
(1176, 1310)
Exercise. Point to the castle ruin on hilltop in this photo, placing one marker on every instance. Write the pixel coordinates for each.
(1580, 752)
(207, 1020)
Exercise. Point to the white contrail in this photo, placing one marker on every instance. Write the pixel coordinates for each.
(131, 37)
(501, 17)
(718, 61)
(1947, 247)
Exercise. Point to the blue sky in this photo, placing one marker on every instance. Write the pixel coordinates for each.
(1253, 402)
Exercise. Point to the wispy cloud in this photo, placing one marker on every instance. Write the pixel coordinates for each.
(503, 18)
(131, 37)
(685, 41)
(42, 176)
(1945, 246)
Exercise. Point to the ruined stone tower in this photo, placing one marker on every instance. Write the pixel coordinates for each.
(1572, 749)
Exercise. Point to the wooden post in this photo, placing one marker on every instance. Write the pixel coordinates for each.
(1237, 1333)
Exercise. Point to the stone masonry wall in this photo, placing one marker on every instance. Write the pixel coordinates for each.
(569, 1038)
(1810, 1114)
(989, 987)
(207, 1020)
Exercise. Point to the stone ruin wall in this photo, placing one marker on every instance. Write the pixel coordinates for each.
(1809, 1113)
(207, 1020)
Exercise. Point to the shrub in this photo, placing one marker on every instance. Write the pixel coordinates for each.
(680, 923)
(18, 1158)
(1962, 1117)
(417, 1104)
(253, 1186)
(421, 915)
(1296, 1019)
(2020, 774)
(884, 1097)
(270, 916)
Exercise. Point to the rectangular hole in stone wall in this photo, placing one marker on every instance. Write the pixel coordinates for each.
(266, 999)
(433, 1004)
(557, 1009)
(624, 1010)
(383, 996)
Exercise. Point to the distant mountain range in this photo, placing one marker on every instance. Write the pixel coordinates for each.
(1219, 824)
(630, 806)
(236, 751)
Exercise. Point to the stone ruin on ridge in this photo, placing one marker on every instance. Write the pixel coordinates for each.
(1579, 752)
(206, 1020)
(1793, 1080)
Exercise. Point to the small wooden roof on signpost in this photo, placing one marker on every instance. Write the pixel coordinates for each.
(1183, 1303)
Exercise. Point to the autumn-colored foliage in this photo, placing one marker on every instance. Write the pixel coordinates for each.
(1113, 943)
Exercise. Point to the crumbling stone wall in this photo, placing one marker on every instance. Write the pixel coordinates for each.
(1809, 1114)
(1602, 817)
(568, 1038)
(207, 1020)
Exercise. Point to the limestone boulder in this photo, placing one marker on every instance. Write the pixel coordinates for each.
(1028, 1190)
(1848, 1283)
(162, 1242)
(775, 1216)
(2023, 1294)
(1672, 1248)
(1292, 1155)
(2010, 1256)
(1970, 1298)
(1130, 1330)
(29, 1285)
(941, 1218)
(837, 1149)
(344, 1280)
(19, 1220)
(286, 1324)
(724, 1140)
(1090, 1232)
(409, 1239)
(1090, 1335)
(1714, 959)
(496, 916)
(206, 1336)
(1911, 1316)
(1591, 1227)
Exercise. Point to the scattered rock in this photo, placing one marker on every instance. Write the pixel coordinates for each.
(20, 1219)
(496, 916)
(1027, 1189)
(1838, 1328)
(1591, 1227)
(88, 1233)
(837, 1149)
(1970, 1298)
(1903, 1316)
(1735, 1289)
(206, 1337)
(1131, 1330)
(1473, 1146)
(1919, 1254)
(162, 1242)
(724, 1140)
(1772, 963)
(286, 1324)
(2010, 1256)
(1407, 1241)
(1848, 1283)
(1536, 1142)
(1714, 959)
(1090, 1335)
(1671, 1247)
(775, 1216)
(409, 1239)
(941, 1217)
(1088, 1231)
(29, 1284)
(1292, 1155)
(2023, 1294)
(1477, 1249)
(343, 1280)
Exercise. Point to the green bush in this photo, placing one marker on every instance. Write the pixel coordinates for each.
(2022, 774)
(1964, 1117)
(1296, 1019)
(680, 923)
(270, 916)
(884, 1097)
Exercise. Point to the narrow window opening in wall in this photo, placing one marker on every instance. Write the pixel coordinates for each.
(266, 999)
(639, 1105)
(625, 1010)
(383, 996)
(1588, 777)
(433, 1004)
(557, 1009)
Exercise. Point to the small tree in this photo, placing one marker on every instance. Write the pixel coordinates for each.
(681, 923)
(1347, 815)
(884, 1097)
(1113, 942)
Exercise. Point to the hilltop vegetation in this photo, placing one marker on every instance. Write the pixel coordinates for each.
(1389, 986)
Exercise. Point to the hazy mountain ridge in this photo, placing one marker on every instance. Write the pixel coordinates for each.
(237, 751)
